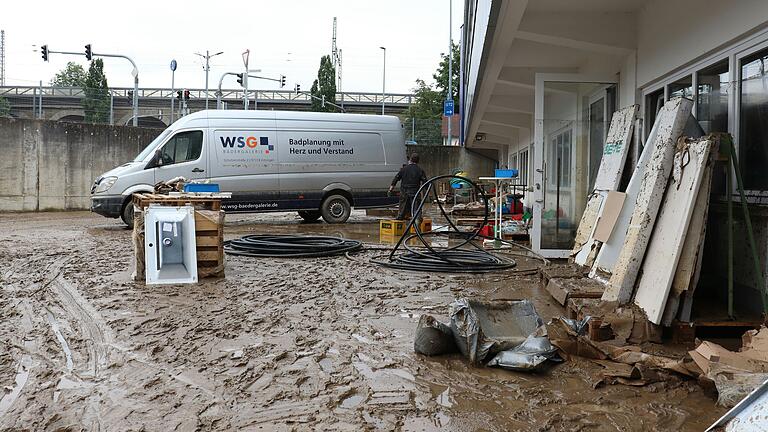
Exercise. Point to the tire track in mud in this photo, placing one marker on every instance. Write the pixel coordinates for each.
(90, 322)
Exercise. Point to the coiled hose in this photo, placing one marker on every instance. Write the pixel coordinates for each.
(290, 246)
(464, 257)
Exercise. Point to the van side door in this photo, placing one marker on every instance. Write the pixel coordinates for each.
(182, 155)
(244, 162)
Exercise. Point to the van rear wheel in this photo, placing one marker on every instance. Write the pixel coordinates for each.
(127, 214)
(310, 215)
(336, 209)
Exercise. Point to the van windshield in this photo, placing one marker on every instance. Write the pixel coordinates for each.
(151, 147)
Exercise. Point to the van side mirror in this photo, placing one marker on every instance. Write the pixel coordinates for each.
(156, 160)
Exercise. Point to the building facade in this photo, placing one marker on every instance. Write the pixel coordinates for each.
(541, 79)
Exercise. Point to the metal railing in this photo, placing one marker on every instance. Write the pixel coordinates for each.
(289, 96)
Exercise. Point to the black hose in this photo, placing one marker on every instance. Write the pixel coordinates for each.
(455, 259)
(290, 246)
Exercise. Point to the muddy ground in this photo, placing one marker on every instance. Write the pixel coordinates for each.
(277, 344)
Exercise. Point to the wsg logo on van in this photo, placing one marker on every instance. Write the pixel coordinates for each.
(242, 142)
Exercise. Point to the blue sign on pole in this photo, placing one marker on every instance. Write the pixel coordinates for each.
(173, 65)
(448, 107)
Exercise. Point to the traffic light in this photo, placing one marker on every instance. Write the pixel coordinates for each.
(282, 81)
(186, 94)
(240, 79)
(88, 52)
(44, 50)
(297, 89)
(178, 95)
(130, 96)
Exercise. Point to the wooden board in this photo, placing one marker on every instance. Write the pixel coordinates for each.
(609, 250)
(609, 214)
(666, 242)
(689, 265)
(672, 118)
(563, 289)
(609, 174)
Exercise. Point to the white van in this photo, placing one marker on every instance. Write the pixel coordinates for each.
(320, 164)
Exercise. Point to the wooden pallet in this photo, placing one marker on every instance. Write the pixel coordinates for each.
(200, 201)
(209, 237)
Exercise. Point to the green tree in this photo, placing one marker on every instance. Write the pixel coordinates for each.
(5, 107)
(324, 85)
(441, 75)
(96, 100)
(73, 75)
(428, 102)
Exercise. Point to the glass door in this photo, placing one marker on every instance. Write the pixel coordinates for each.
(570, 129)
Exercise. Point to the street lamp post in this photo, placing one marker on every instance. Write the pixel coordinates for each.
(383, 79)
(207, 68)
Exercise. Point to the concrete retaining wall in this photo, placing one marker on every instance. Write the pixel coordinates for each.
(48, 165)
(439, 160)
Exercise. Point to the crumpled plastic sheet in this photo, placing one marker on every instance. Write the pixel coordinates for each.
(481, 329)
(528, 356)
(433, 337)
(579, 326)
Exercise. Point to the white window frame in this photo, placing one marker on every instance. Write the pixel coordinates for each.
(734, 53)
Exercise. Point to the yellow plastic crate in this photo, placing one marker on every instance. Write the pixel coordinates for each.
(391, 227)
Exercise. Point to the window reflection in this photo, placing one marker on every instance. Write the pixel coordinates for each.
(753, 127)
(712, 105)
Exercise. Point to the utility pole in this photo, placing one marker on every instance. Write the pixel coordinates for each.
(450, 64)
(2, 57)
(207, 68)
(383, 79)
(246, 55)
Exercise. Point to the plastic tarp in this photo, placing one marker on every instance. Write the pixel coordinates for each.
(483, 329)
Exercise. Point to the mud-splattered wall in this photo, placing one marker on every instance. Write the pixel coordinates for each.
(48, 165)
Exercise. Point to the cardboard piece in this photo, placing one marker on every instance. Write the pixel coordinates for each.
(609, 215)
(672, 118)
(713, 358)
(666, 242)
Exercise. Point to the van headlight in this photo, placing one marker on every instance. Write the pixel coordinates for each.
(105, 184)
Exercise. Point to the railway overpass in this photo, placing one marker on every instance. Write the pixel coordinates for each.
(65, 103)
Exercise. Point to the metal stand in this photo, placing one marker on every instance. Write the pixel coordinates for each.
(497, 182)
(726, 143)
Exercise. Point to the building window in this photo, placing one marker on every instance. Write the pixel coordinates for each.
(682, 88)
(561, 158)
(713, 89)
(753, 121)
(653, 103)
(523, 173)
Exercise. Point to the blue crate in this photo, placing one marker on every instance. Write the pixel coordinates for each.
(201, 187)
(506, 173)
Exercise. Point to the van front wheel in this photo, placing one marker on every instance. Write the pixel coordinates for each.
(127, 214)
(335, 209)
(309, 215)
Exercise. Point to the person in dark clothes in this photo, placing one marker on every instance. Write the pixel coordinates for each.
(411, 177)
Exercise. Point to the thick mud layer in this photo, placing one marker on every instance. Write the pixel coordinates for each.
(277, 344)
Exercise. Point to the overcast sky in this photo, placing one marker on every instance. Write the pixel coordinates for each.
(284, 37)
